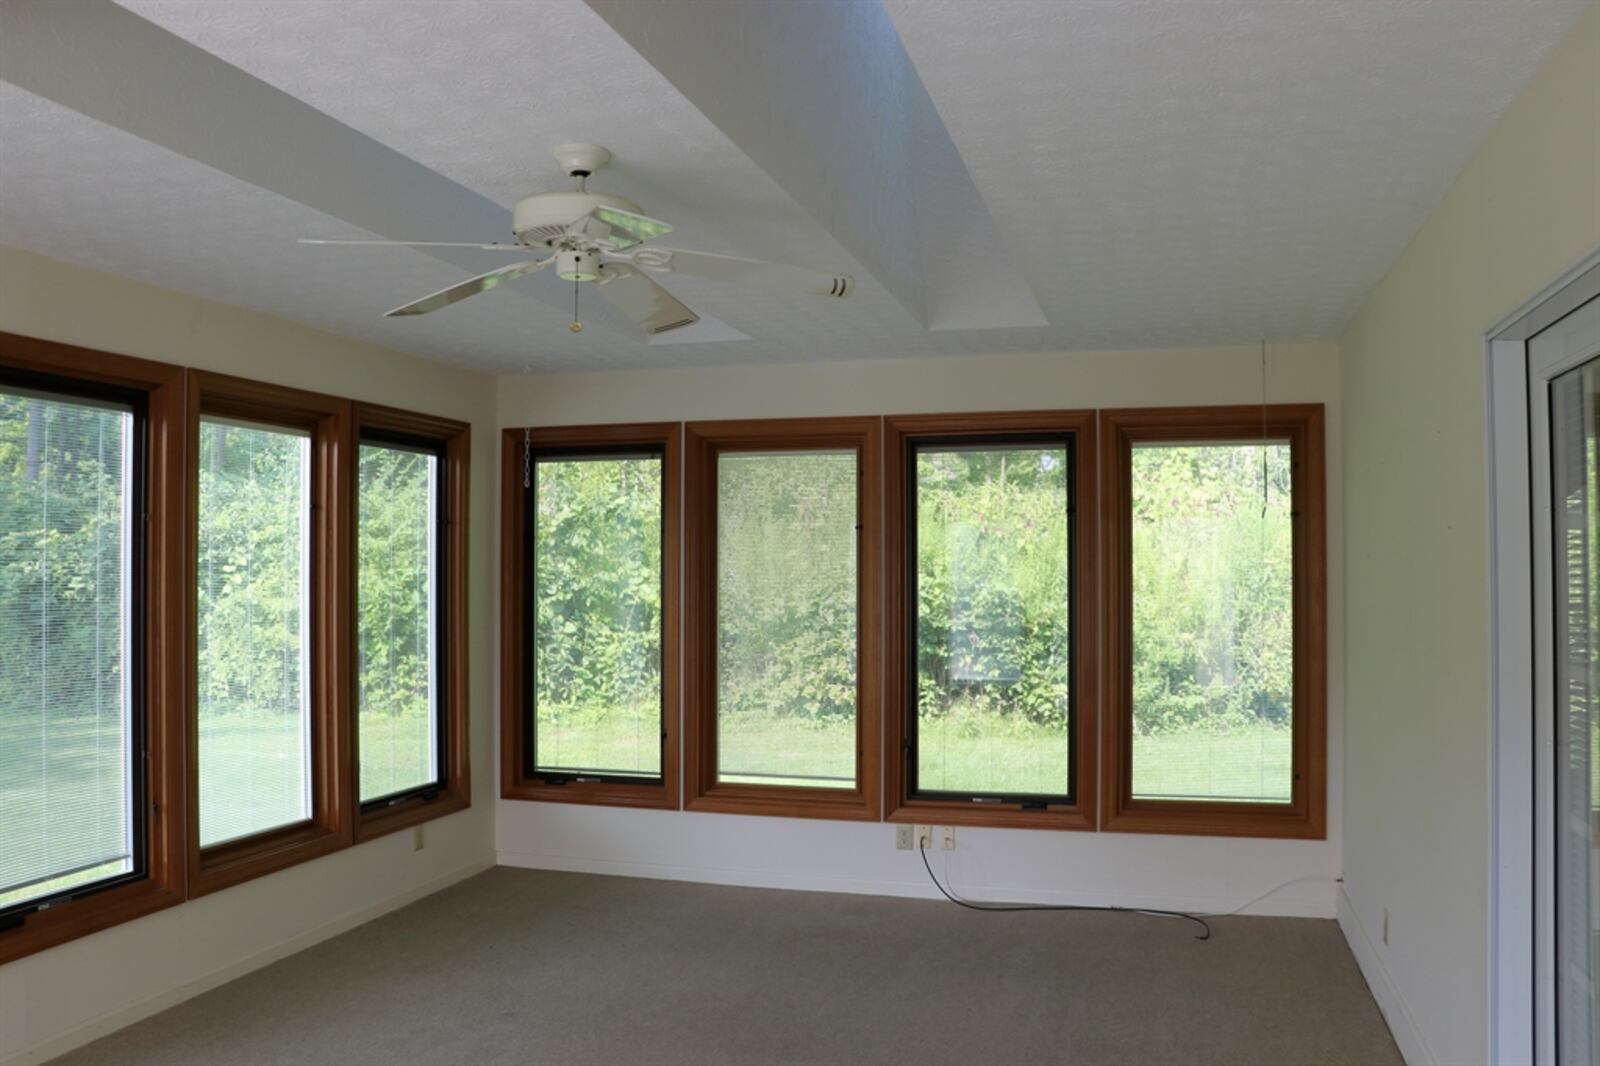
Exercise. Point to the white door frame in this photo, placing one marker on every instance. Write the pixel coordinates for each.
(1519, 1021)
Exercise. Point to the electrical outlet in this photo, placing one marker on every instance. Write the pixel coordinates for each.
(924, 836)
(905, 837)
(947, 837)
(1386, 927)
(417, 843)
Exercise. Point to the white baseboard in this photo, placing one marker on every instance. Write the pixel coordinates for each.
(1292, 907)
(135, 1012)
(1407, 1035)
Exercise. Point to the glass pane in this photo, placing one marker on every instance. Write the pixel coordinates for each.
(786, 619)
(1213, 622)
(1575, 529)
(397, 584)
(65, 689)
(993, 620)
(597, 620)
(254, 554)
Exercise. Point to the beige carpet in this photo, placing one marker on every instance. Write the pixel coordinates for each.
(518, 966)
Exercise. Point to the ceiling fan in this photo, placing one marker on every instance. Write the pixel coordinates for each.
(599, 238)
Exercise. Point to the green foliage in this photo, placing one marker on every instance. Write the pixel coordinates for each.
(1212, 579)
(597, 582)
(993, 640)
(61, 502)
(250, 555)
(786, 586)
(61, 661)
(395, 623)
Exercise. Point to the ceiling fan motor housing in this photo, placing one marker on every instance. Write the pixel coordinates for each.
(578, 264)
(544, 218)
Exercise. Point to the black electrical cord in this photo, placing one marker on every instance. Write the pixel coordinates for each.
(1205, 926)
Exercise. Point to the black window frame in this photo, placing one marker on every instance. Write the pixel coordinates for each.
(915, 446)
(412, 442)
(529, 756)
(65, 389)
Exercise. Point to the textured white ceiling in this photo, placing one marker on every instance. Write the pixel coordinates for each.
(1165, 174)
(1213, 171)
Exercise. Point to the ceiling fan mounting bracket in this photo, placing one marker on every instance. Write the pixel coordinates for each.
(580, 160)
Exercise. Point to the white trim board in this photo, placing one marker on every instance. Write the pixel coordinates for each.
(1402, 1026)
(137, 1012)
(1309, 900)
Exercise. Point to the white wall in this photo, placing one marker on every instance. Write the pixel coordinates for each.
(1185, 872)
(1416, 543)
(62, 997)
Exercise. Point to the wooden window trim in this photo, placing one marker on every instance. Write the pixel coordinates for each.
(515, 783)
(330, 827)
(705, 441)
(163, 884)
(1305, 817)
(901, 432)
(455, 790)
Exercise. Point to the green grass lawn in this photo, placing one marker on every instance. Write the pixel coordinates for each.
(955, 756)
(251, 779)
(251, 770)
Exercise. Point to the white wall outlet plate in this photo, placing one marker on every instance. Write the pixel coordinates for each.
(417, 841)
(947, 837)
(905, 837)
(924, 836)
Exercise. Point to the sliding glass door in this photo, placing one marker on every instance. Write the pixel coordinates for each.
(1564, 410)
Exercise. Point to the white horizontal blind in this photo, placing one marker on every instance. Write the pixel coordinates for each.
(787, 573)
(397, 619)
(253, 626)
(66, 497)
(1213, 622)
(597, 615)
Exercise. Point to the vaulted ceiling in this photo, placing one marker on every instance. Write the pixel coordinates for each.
(998, 175)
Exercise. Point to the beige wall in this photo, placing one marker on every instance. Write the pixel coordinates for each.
(62, 996)
(1210, 874)
(1416, 536)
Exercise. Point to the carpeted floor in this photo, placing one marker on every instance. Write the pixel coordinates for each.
(520, 966)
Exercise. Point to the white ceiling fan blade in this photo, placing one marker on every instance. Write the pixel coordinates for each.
(637, 228)
(470, 287)
(423, 244)
(642, 300)
(749, 271)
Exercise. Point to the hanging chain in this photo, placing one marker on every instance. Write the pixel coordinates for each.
(527, 458)
(1263, 426)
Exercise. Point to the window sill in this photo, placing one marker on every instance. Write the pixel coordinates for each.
(992, 815)
(410, 812)
(225, 865)
(663, 797)
(787, 803)
(1234, 820)
(90, 914)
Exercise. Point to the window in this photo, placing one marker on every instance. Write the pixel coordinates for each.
(67, 719)
(268, 519)
(410, 651)
(990, 704)
(783, 617)
(591, 535)
(397, 614)
(1215, 556)
(207, 670)
(254, 624)
(85, 553)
